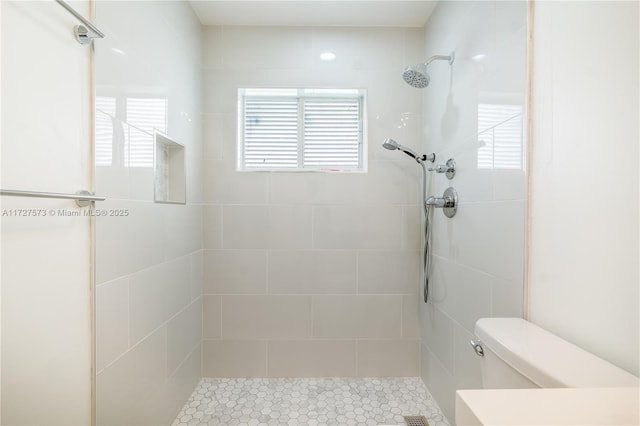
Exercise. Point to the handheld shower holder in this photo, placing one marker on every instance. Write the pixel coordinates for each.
(427, 157)
(448, 202)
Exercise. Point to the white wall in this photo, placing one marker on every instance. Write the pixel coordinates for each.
(583, 271)
(312, 274)
(46, 146)
(474, 113)
(149, 263)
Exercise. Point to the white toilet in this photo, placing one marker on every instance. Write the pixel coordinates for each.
(517, 354)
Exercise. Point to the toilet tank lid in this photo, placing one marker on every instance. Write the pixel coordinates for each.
(545, 358)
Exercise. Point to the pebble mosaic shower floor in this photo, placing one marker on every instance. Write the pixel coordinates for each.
(312, 402)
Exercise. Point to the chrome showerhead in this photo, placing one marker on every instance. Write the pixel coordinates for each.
(390, 144)
(417, 75)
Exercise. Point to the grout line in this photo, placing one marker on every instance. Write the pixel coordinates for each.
(266, 358)
(143, 339)
(357, 272)
(401, 317)
(357, 357)
(221, 317)
(221, 226)
(267, 270)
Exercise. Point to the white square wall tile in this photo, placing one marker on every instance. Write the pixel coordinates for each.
(212, 226)
(411, 316)
(156, 294)
(362, 316)
(412, 227)
(296, 188)
(388, 358)
(495, 247)
(142, 229)
(197, 274)
(507, 298)
(312, 358)
(182, 229)
(235, 271)
(468, 373)
(183, 380)
(175, 274)
(245, 227)
(414, 50)
(147, 305)
(112, 321)
(211, 317)
(289, 227)
(220, 140)
(184, 334)
(388, 272)
(357, 227)
(312, 272)
(234, 358)
(462, 293)
(277, 227)
(266, 317)
(474, 168)
(134, 378)
(439, 381)
(223, 184)
(437, 334)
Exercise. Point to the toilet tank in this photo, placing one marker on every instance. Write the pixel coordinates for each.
(519, 354)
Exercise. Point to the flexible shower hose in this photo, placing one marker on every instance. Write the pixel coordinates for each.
(426, 257)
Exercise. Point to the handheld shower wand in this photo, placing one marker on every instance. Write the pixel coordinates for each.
(392, 145)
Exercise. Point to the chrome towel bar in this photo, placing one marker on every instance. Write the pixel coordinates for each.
(82, 34)
(83, 198)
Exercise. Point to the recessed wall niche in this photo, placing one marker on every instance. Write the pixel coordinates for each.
(169, 170)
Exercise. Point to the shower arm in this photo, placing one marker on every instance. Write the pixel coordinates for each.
(448, 58)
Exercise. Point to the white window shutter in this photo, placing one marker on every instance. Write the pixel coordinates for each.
(270, 132)
(331, 133)
(300, 129)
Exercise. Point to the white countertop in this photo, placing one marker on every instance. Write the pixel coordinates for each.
(559, 406)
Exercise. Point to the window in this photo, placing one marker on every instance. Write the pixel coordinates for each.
(301, 129)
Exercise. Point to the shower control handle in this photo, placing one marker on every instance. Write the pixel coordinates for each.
(441, 202)
(449, 168)
(448, 202)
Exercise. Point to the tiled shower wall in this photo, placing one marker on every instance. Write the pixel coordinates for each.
(311, 274)
(149, 255)
(474, 113)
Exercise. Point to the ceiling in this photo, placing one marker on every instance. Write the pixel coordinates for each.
(351, 13)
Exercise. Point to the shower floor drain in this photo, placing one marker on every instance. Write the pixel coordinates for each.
(416, 421)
